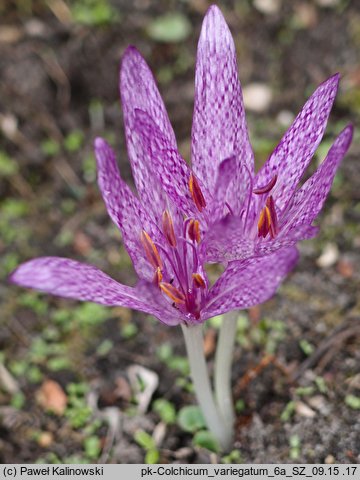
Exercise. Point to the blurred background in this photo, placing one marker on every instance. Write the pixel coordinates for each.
(82, 383)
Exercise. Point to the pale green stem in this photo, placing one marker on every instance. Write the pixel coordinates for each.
(200, 377)
(222, 374)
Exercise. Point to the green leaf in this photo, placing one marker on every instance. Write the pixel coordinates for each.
(78, 415)
(34, 301)
(165, 410)
(171, 28)
(59, 363)
(18, 400)
(288, 411)
(50, 147)
(77, 389)
(94, 12)
(294, 441)
(164, 352)
(181, 364)
(321, 384)
(191, 419)
(89, 168)
(14, 208)
(8, 166)
(306, 347)
(233, 457)
(144, 440)
(129, 330)
(92, 447)
(205, 439)
(240, 405)
(34, 374)
(304, 391)
(152, 456)
(104, 348)
(353, 402)
(74, 140)
(89, 314)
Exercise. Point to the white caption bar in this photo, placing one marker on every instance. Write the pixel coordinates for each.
(180, 472)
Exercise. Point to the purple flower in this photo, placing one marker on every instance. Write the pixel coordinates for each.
(262, 211)
(245, 214)
(165, 227)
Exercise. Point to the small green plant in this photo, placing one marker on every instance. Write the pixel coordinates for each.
(206, 439)
(353, 402)
(240, 405)
(129, 330)
(295, 447)
(8, 166)
(77, 412)
(74, 141)
(92, 447)
(147, 443)
(50, 147)
(305, 391)
(174, 362)
(288, 411)
(104, 348)
(190, 419)
(170, 28)
(165, 410)
(321, 385)
(94, 12)
(306, 347)
(233, 457)
(18, 400)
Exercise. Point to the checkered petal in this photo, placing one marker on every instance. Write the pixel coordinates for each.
(71, 279)
(310, 198)
(125, 208)
(294, 152)
(219, 128)
(138, 90)
(250, 282)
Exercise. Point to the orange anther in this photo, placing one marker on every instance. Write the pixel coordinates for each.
(268, 219)
(273, 216)
(198, 280)
(151, 251)
(168, 228)
(158, 276)
(196, 193)
(194, 231)
(172, 292)
(264, 222)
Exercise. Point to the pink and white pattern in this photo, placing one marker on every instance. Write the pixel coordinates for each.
(218, 210)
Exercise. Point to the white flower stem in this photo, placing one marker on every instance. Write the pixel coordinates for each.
(222, 374)
(195, 349)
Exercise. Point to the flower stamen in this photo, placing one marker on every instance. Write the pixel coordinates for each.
(172, 292)
(274, 221)
(196, 193)
(264, 222)
(194, 230)
(268, 222)
(199, 282)
(266, 188)
(151, 251)
(168, 228)
(158, 276)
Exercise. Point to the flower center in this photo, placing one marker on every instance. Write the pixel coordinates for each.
(177, 269)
